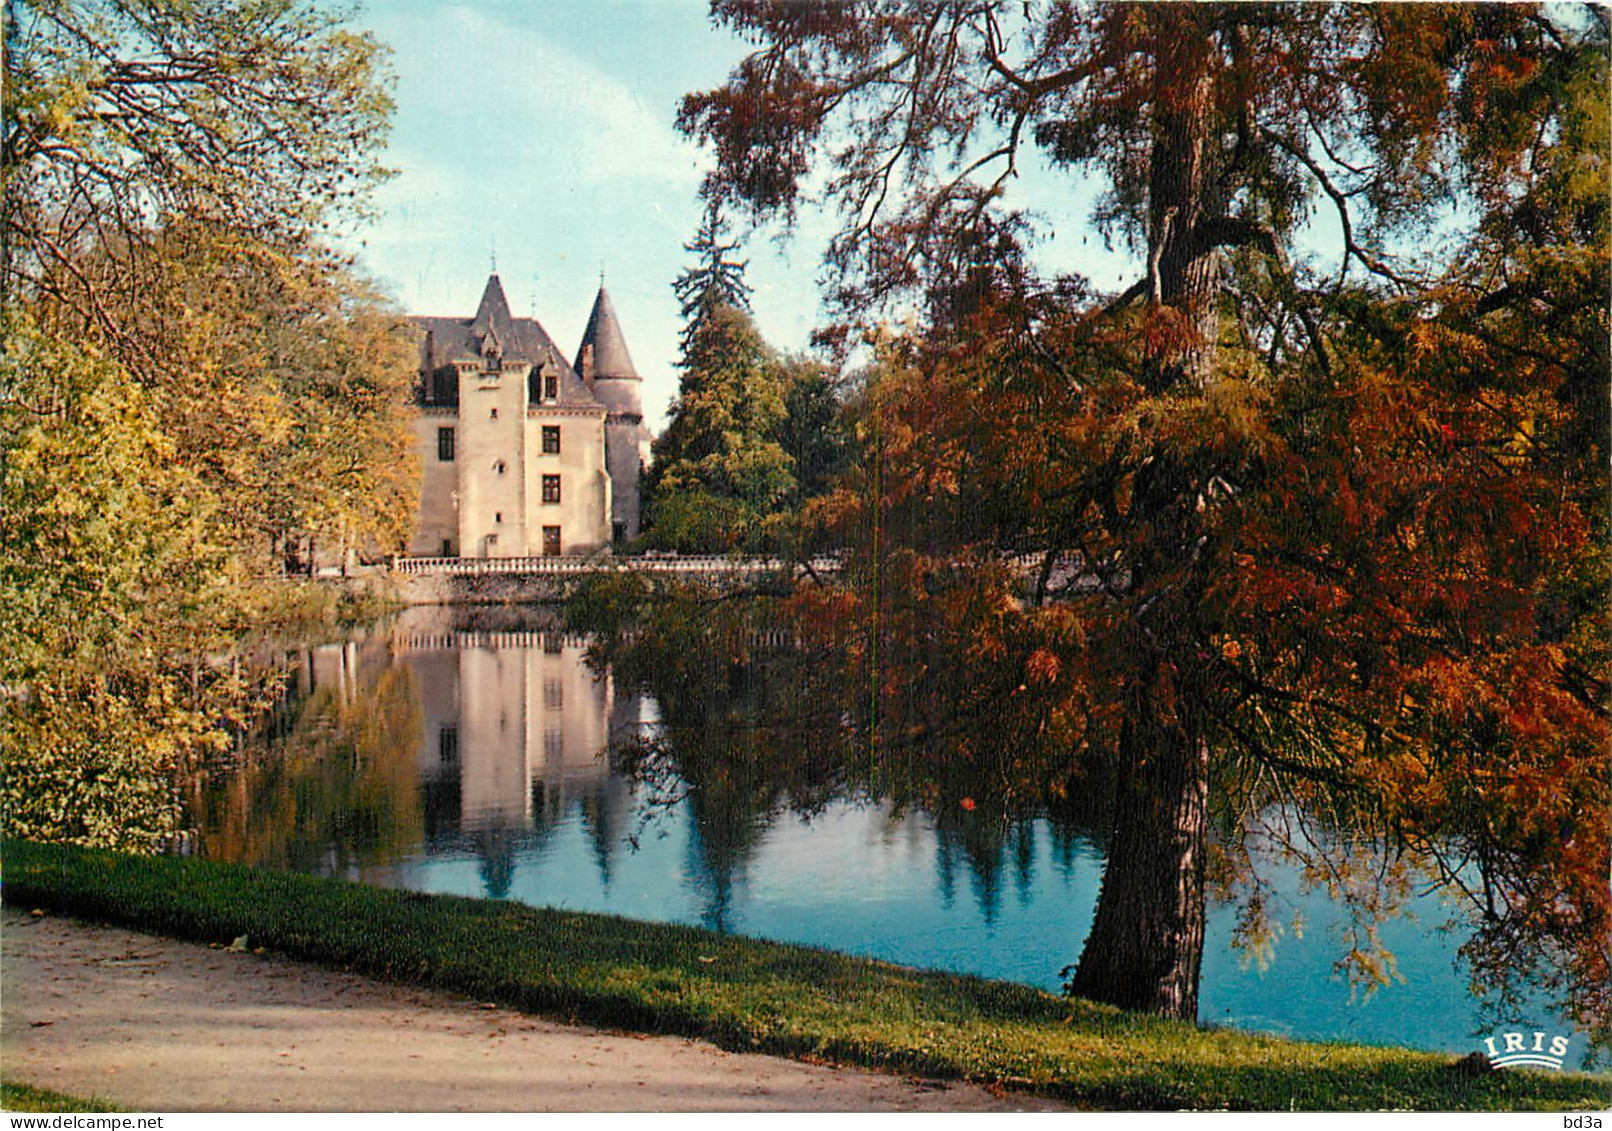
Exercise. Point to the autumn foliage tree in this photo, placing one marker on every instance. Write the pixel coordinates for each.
(168, 173)
(191, 382)
(1318, 529)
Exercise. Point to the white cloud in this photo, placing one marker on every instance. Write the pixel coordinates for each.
(514, 93)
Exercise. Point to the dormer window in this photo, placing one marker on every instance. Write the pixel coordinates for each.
(542, 384)
(492, 352)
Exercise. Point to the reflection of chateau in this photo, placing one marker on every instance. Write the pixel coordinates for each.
(515, 732)
(464, 750)
(512, 735)
(523, 453)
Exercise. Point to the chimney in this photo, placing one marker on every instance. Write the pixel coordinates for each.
(587, 363)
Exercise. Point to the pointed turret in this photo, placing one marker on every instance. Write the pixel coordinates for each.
(603, 352)
(493, 319)
(607, 369)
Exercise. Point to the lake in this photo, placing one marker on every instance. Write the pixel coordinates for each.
(455, 753)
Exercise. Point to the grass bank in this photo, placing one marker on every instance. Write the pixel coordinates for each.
(295, 606)
(25, 1097)
(749, 995)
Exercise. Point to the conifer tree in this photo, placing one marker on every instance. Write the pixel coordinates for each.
(714, 279)
(1332, 521)
(718, 473)
(753, 434)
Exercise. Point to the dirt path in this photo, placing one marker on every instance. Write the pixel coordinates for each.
(158, 1025)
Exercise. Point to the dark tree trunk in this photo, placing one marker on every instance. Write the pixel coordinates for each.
(1183, 275)
(1145, 949)
(1146, 943)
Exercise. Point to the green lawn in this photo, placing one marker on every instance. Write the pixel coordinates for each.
(24, 1097)
(746, 994)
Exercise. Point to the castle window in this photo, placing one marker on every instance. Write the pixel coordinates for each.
(498, 516)
(448, 745)
(551, 488)
(494, 363)
(494, 416)
(551, 387)
(500, 466)
(551, 439)
(444, 386)
(445, 445)
(551, 541)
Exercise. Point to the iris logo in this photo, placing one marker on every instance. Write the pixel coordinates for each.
(1526, 1050)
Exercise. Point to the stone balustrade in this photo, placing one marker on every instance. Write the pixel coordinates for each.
(676, 564)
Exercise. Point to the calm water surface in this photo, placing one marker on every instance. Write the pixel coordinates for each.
(475, 762)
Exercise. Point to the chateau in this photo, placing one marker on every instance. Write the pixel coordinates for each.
(524, 453)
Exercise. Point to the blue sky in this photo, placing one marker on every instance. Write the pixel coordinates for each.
(542, 132)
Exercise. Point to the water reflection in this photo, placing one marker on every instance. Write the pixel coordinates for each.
(477, 753)
(515, 733)
(330, 786)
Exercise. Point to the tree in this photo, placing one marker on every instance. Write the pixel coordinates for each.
(717, 473)
(715, 280)
(121, 117)
(107, 584)
(753, 436)
(167, 172)
(191, 381)
(1268, 477)
(718, 470)
(752, 432)
(295, 398)
(814, 432)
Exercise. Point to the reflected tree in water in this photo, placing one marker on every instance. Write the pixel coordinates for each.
(335, 789)
(495, 852)
(758, 718)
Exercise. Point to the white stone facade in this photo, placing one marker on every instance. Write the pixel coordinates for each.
(513, 443)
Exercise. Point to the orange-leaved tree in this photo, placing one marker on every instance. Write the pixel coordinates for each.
(1322, 531)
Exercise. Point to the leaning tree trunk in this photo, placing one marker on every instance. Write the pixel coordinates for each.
(1146, 943)
(1145, 949)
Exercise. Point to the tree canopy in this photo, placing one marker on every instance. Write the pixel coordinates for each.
(192, 385)
(753, 433)
(718, 471)
(167, 172)
(1321, 537)
(714, 279)
(122, 117)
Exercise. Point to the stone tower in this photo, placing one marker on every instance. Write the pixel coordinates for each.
(606, 368)
(511, 441)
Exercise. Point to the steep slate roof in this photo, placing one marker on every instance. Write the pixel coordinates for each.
(448, 340)
(610, 356)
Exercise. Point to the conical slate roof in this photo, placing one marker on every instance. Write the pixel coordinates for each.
(610, 356)
(493, 315)
(519, 339)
